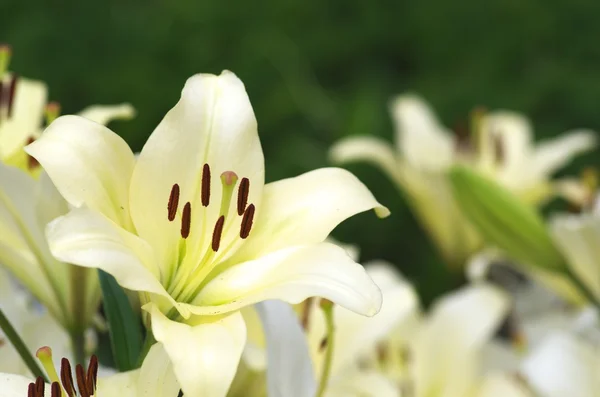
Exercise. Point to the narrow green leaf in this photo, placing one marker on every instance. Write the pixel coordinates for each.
(123, 323)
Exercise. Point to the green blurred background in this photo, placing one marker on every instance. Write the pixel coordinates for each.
(317, 71)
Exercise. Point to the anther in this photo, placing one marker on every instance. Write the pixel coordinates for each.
(11, 93)
(52, 112)
(243, 192)
(306, 310)
(323, 344)
(31, 390)
(186, 220)
(66, 377)
(92, 374)
(32, 162)
(39, 386)
(81, 381)
(205, 190)
(55, 390)
(247, 220)
(173, 202)
(217, 232)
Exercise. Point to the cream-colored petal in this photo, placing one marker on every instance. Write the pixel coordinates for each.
(501, 385)
(103, 114)
(578, 238)
(553, 154)
(254, 352)
(368, 149)
(87, 238)
(213, 123)
(289, 371)
(204, 356)
(292, 275)
(563, 366)
(362, 384)
(421, 139)
(305, 209)
(157, 378)
(123, 384)
(27, 113)
(16, 385)
(89, 164)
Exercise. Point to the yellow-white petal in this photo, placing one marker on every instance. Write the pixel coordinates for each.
(362, 384)
(578, 238)
(553, 154)
(204, 356)
(27, 114)
(213, 123)
(305, 209)
(368, 149)
(292, 275)
(421, 139)
(16, 385)
(500, 385)
(87, 238)
(103, 114)
(289, 371)
(89, 164)
(563, 366)
(156, 378)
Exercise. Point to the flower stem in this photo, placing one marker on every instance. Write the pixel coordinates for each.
(78, 344)
(327, 307)
(20, 347)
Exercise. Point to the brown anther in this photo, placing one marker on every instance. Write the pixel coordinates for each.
(11, 94)
(32, 162)
(92, 374)
(217, 232)
(81, 381)
(242, 199)
(66, 377)
(31, 392)
(323, 344)
(55, 390)
(186, 220)
(247, 221)
(40, 386)
(205, 189)
(306, 310)
(173, 203)
(498, 149)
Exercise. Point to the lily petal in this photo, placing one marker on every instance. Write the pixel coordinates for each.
(157, 378)
(292, 275)
(89, 164)
(362, 384)
(305, 209)
(86, 238)
(204, 356)
(563, 366)
(421, 139)
(289, 371)
(502, 386)
(369, 149)
(16, 385)
(103, 114)
(214, 124)
(553, 154)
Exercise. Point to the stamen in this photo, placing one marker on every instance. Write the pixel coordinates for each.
(247, 221)
(498, 149)
(52, 112)
(79, 373)
(307, 309)
(55, 390)
(186, 220)
(44, 354)
(32, 162)
(323, 344)
(173, 203)
(40, 385)
(217, 232)
(66, 377)
(243, 192)
(11, 93)
(5, 53)
(92, 374)
(31, 390)
(205, 193)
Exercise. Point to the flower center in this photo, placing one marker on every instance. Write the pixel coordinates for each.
(187, 280)
(85, 384)
(478, 142)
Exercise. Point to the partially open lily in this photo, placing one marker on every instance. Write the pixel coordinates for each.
(29, 200)
(155, 378)
(192, 226)
(500, 146)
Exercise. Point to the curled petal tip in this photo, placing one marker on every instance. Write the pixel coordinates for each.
(382, 212)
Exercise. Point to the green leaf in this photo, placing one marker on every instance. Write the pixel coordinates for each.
(504, 220)
(123, 323)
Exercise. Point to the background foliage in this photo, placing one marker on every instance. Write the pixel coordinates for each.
(317, 71)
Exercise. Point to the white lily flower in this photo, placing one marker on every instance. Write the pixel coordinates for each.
(425, 150)
(154, 379)
(34, 325)
(192, 226)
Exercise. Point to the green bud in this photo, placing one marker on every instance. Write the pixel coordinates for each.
(505, 221)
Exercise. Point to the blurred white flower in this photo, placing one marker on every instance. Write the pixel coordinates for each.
(195, 239)
(500, 146)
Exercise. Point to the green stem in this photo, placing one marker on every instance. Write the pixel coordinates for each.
(583, 288)
(327, 308)
(20, 347)
(78, 344)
